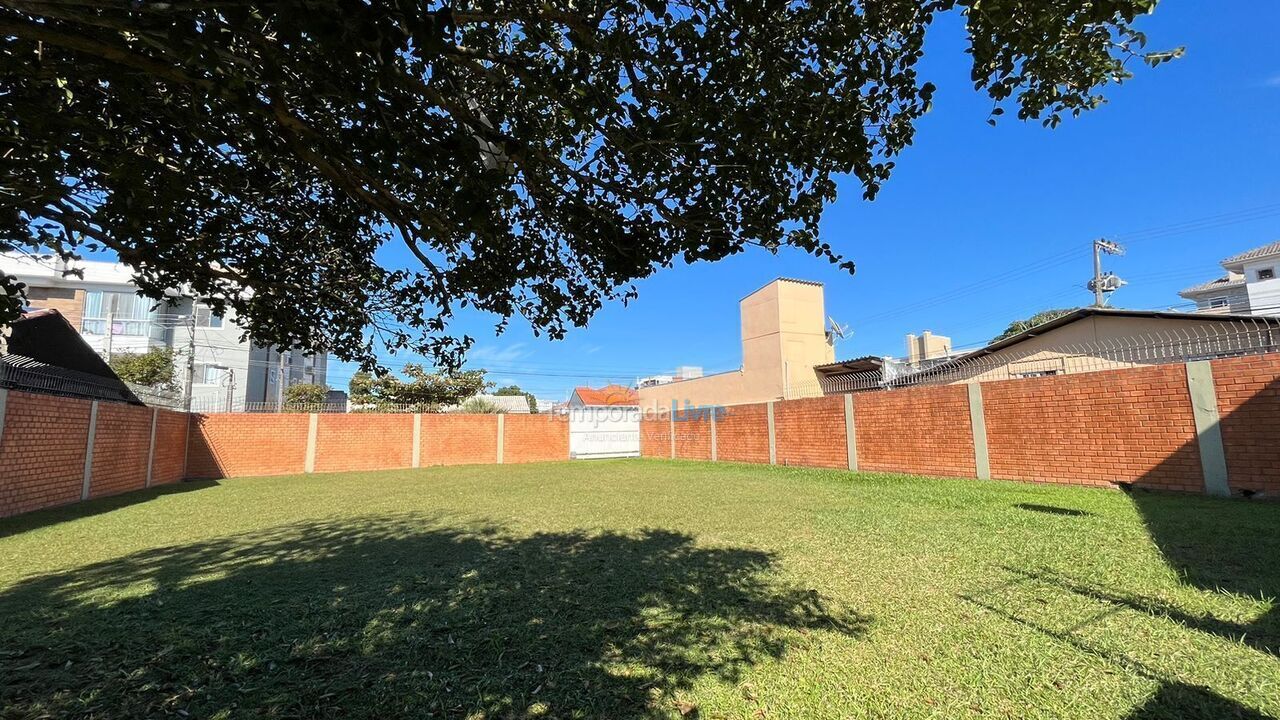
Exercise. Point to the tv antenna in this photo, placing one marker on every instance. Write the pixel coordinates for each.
(1103, 284)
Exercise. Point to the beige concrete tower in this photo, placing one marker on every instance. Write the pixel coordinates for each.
(783, 338)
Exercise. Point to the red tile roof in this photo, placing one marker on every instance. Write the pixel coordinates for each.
(607, 395)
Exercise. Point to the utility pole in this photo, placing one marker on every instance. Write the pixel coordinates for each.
(231, 388)
(1097, 275)
(1103, 283)
(111, 321)
(280, 380)
(191, 357)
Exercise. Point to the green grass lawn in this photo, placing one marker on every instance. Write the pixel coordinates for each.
(636, 589)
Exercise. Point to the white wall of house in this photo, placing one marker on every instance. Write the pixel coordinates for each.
(1262, 282)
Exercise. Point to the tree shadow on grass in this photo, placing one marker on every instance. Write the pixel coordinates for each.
(1221, 546)
(1180, 701)
(1053, 510)
(380, 617)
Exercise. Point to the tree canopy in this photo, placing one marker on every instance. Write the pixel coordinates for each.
(516, 390)
(153, 368)
(1020, 326)
(429, 391)
(305, 396)
(536, 158)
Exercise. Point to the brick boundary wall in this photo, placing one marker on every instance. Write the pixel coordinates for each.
(1141, 426)
(1248, 390)
(810, 432)
(1209, 426)
(56, 451)
(226, 445)
(363, 442)
(923, 430)
(170, 460)
(742, 434)
(535, 438)
(48, 460)
(1126, 425)
(121, 449)
(42, 451)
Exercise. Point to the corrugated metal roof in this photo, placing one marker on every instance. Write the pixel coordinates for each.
(1254, 254)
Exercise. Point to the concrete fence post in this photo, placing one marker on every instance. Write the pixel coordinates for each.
(88, 451)
(502, 431)
(1204, 408)
(850, 433)
(978, 423)
(671, 421)
(714, 452)
(773, 435)
(313, 428)
(4, 403)
(151, 450)
(417, 440)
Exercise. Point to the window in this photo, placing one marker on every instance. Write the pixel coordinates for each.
(127, 313)
(1038, 373)
(50, 293)
(209, 374)
(1267, 274)
(207, 318)
(1218, 302)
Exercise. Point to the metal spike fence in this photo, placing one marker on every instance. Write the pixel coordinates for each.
(1180, 345)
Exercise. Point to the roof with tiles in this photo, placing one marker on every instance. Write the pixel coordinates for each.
(1221, 283)
(1254, 254)
(615, 395)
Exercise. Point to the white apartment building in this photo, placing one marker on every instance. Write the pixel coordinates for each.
(1250, 287)
(103, 304)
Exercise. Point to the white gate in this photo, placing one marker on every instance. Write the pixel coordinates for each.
(604, 432)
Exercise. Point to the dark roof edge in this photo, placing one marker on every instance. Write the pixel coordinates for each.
(1113, 312)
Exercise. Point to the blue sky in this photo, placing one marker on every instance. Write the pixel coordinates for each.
(980, 226)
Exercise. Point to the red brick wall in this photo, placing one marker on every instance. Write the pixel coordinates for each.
(168, 465)
(460, 439)
(1249, 415)
(363, 442)
(42, 452)
(742, 434)
(655, 436)
(811, 432)
(122, 441)
(535, 438)
(923, 430)
(246, 444)
(1091, 429)
(693, 435)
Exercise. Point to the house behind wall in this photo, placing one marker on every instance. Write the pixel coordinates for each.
(783, 338)
(103, 306)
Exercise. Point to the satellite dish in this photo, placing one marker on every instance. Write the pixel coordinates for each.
(836, 330)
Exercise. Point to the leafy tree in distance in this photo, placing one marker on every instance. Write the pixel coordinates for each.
(535, 158)
(305, 395)
(426, 390)
(1020, 326)
(515, 390)
(481, 406)
(153, 368)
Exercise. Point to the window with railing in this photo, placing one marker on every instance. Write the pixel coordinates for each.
(210, 374)
(120, 313)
